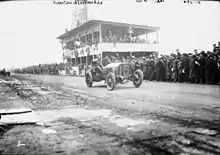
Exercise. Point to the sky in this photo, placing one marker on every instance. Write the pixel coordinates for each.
(28, 30)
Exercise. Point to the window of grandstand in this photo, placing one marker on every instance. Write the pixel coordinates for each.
(96, 38)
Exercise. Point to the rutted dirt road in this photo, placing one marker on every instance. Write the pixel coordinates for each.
(157, 118)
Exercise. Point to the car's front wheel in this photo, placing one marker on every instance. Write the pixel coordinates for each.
(138, 78)
(88, 79)
(110, 81)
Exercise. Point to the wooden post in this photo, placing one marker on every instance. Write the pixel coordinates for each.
(130, 35)
(63, 57)
(146, 38)
(157, 38)
(86, 39)
(92, 37)
(100, 33)
(101, 56)
(100, 38)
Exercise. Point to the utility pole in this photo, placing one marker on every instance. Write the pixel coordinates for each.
(130, 31)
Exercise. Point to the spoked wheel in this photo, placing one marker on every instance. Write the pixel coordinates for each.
(138, 78)
(88, 79)
(110, 81)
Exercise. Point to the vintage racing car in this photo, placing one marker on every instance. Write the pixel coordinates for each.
(113, 74)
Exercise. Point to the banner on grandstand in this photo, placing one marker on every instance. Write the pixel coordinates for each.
(67, 54)
(82, 51)
(76, 53)
(88, 50)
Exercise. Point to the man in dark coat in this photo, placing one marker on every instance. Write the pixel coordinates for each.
(218, 72)
(145, 69)
(175, 68)
(207, 68)
(201, 61)
(168, 69)
(197, 69)
(160, 70)
(186, 67)
(192, 68)
(152, 71)
(213, 69)
(180, 77)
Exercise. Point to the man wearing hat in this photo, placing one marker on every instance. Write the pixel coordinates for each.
(178, 53)
(195, 52)
(106, 60)
(215, 48)
(96, 62)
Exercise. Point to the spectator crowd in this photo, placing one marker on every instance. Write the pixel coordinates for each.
(203, 68)
(197, 67)
(125, 39)
(4, 72)
(51, 69)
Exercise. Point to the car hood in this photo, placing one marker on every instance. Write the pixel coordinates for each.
(115, 64)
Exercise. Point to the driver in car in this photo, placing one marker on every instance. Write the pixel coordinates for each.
(106, 61)
(97, 62)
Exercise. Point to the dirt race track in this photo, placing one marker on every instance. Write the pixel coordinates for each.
(157, 118)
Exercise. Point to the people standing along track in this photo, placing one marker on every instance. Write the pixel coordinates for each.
(199, 68)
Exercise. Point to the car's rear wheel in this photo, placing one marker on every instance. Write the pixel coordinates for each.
(110, 81)
(88, 79)
(138, 78)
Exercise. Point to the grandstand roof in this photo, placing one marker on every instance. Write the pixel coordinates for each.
(93, 22)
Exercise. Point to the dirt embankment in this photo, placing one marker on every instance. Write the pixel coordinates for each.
(78, 128)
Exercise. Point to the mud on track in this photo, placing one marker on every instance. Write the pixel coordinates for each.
(107, 124)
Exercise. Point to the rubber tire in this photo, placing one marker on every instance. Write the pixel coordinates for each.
(141, 77)
(112, 76)
(88, 74)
